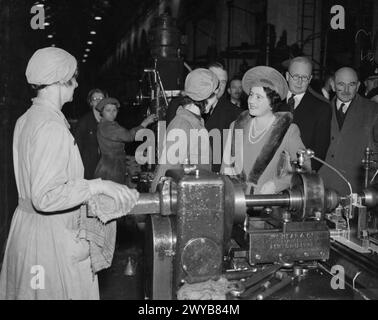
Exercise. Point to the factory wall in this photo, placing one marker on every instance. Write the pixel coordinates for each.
(232, 32)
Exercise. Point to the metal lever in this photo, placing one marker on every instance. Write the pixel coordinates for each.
(284, 281)
(241, 287)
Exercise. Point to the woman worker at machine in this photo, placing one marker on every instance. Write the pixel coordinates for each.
(269, 139)
(201, 86)
(47, 256)
(111, 139)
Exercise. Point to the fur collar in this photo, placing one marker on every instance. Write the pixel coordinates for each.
(280, 127)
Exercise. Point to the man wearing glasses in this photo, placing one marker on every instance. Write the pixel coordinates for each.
(311, 114)
(86, 133)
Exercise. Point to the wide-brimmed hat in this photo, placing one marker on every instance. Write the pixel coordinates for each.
(101, 105)
(200, 84)
(263, 76)
(373, 74)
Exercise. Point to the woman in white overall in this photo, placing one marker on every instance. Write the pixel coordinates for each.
(46, 255)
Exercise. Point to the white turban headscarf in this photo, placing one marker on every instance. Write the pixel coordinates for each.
(50, 65)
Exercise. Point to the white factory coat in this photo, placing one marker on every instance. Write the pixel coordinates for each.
(44, 258)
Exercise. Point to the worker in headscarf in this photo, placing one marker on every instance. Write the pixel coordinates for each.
(111, 139)
(47, 256)
(201, 88)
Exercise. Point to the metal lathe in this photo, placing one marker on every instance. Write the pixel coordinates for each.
(201, 226)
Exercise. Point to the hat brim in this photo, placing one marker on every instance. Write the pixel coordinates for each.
(373, 77)
(263, 76)
(101, 105)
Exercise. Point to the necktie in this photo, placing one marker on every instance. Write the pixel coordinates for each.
(341, 115)
(291, 103)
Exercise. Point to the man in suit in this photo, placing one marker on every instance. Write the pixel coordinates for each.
(221, 115)
(86, 134)
(311, 114)
(354, 124)
(371, 85)
(235, 91)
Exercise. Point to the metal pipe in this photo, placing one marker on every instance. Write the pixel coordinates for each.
(148, 203)
(367, 162)
(267, 200)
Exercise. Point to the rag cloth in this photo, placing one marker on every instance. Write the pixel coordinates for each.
(208, 290)
(100, 229)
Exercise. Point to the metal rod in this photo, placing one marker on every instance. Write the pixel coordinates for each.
(267, 200)
(148, 203)
(251, 294)
(237, 275)
(261, 275)
(268, 292)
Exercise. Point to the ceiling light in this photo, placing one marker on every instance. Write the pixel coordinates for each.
(98, 18)
(53, 45)
(93, 32)
(50, 36)
(85, 56)
(89, 42)
(87, 50)
(84, 60)
(47, 24)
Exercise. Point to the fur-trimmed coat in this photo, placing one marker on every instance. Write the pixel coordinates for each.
(271, 156)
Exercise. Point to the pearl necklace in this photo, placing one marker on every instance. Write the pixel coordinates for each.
(259, 135)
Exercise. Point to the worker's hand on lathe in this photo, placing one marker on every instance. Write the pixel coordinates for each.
(150, 119)
(124, 197)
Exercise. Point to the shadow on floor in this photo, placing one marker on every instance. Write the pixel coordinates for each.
(113, 282)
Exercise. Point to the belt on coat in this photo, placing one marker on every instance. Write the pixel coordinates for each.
(27, 206)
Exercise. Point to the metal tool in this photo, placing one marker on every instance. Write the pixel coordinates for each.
(245, 288)
(284, 281)
(250, 294)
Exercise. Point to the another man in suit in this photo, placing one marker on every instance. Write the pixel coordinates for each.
(222, 114)
(86, 134)
(236, 93)
(371, 85)
(311, 114)
(354, 122)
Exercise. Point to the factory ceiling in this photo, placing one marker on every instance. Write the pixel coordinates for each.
(89, 29)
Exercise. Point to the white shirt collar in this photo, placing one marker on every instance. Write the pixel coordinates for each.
(325, 93)
(96, 115)
(345, 107)
(193, 108)
(297, 98)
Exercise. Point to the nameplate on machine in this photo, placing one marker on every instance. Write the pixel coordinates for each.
(271, 246)
(291, 240)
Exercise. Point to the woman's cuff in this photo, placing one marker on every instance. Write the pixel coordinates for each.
(95, 186)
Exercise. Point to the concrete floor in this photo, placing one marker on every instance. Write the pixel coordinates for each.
(113, 282)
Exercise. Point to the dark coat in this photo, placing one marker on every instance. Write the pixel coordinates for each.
(313, 117)
(86, 139)
(111, 139)
(221, 118)
(172, 108)
(347, 147)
